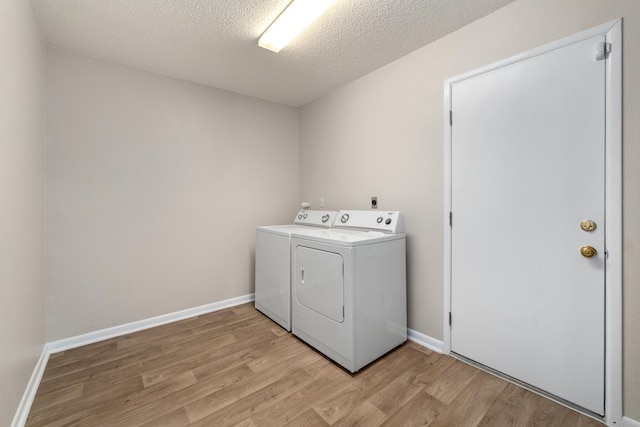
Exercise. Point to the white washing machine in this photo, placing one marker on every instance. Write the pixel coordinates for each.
(349, 296)
(273, 263)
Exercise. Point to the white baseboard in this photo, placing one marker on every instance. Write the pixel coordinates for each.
(425, 340)
(127, 328)
(22, 413)
(20, 418)
(630, 422)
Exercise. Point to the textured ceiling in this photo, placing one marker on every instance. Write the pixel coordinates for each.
(214, 42)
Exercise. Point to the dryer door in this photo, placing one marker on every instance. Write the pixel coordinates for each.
(319, 282)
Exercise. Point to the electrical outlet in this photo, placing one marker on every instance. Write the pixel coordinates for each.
(374, 202)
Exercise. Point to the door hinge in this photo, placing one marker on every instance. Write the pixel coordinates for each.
(450, 219)
(603, 50)
(449, 318)
(450, 117)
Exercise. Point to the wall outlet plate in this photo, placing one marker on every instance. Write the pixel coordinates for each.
(374, 202)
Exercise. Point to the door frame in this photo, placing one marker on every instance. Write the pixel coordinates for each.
(613, 203)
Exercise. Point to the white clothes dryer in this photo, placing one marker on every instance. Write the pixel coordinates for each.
(273, 263)
(349, 296)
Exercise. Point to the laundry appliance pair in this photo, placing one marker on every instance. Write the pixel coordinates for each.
(336, 280)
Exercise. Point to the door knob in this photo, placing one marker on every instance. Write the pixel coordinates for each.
(588, 251)
(587, 225)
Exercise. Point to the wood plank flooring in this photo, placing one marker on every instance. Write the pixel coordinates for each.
(236, 367)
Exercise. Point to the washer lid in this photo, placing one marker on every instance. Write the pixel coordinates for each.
(303, 219)
(284, 230)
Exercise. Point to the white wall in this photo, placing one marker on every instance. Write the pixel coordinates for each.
(383, 135)
(21, 201)
(154, 189)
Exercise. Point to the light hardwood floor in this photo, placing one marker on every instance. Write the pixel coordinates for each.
(236, 367)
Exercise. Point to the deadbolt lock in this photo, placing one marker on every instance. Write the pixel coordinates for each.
(587, 225)
(588, 251)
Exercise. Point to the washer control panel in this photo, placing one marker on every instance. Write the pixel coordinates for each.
(385, 221)
(324, 219)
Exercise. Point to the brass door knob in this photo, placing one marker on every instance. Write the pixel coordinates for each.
(588, 251)
(587, 225)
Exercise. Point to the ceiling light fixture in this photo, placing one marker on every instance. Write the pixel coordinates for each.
(295, 18)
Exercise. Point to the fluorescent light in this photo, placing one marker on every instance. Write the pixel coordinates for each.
(295, 18)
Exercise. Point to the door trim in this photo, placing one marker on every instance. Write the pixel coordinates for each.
(613, 204)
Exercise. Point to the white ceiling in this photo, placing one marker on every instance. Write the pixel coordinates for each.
(214, 42)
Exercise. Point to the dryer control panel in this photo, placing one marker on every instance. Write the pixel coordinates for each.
(385, 221)
(323, 219)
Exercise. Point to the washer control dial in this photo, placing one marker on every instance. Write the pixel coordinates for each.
(379, 220)
(344, 218)
(387, 221)
(325, 218)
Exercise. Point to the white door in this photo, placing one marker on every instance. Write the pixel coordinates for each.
(319, 282)
(528, 157)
